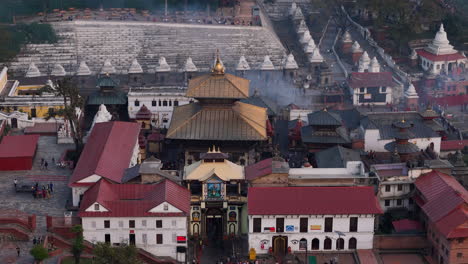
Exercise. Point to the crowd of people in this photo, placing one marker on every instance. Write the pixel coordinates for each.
(44, 192)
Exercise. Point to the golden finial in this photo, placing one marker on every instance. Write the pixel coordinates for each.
(218, 67)
(403, 120)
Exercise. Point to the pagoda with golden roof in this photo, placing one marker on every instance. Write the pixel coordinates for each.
(218, 117)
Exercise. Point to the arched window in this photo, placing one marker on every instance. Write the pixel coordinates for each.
(196, 229)
(164, 103)
(170, 103)
(153, 103)
(303, 244)
(315, 244)
(159, 102)
(352, 243)
(339, 244)
(176, 103)
(328, 243)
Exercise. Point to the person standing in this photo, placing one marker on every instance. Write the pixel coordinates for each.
(46, 164)
(18, 251)
(42, 163)
(34, 241)
(15, 182)
(51, 187)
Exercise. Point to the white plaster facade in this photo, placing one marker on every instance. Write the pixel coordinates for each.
(315, 230)
(387, 90)
(160, 102)
(373, 142)
(145, 232)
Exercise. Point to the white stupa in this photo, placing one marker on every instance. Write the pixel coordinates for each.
(310, 46)
(58, 70)
(83, 69)
(293, 8)
(298, 14)
(101, 116)
(411, 93)
(267, 65)
(306, 37)
(135, 67)
(108, 68)
(302, 27)
(242, 65)
(190, 66)
(316, 57)
(33, 71)
(290, 63)
(374, 65)
(414, 54)
(346, 38)
(356, 47)
(441, 45)
(163, 66)
(364, 62)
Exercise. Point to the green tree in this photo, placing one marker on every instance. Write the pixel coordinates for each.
(78, 246)
(39, 253)
(124, 254)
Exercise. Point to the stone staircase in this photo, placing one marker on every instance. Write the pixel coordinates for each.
(121, 42)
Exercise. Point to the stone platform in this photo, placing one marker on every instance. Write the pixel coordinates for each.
(121, 42)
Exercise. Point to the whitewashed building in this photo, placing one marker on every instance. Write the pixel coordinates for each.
(111, 148)
(152, 217)
(159, 100)
(316, 218)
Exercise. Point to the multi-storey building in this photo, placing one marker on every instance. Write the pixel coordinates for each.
(150, 216)
(313, 218)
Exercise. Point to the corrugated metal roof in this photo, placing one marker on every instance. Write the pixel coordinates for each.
(339, 136)
(18, 146)
(218, 86)
(312, 200)
(370, 79)
(336, 157)
(237, 122)
(324, 118)
(115, 97)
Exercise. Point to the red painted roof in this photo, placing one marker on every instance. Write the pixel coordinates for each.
(259, 169)
(407, 225)
(42, 128)
(312, 200)
(370, 79)
(143, 113)
(453, 145)
(107, 152)
(18, 146)
(134, 200)
(433, 57)
(442, 197)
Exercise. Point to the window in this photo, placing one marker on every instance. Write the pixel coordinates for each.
(33, 112)
(164, 103)
(106, 224)
(353, 224)
(257, 225)
(398, 202)
(159, 238)
(166, 207)
(315, 244)
(143, 222)
(158, 223)
(96, 207)
(137, 103)
(303, 244)
(400, 187)
(327, 244)
(153, 103)
(328, 224)
(383, 89)
(144, 238)
(280, 224)
(51, 111)
(131, 223)
(304, 222)
(362, 90)
(460, 255)
(387, 188)
(107, 238)
(387, 202)
(159, 103)
(339, 243)
(352, 243)
(410, 201)
(170, 103)
(176, 103)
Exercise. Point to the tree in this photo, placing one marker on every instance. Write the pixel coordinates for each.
(124, 254)
(78, 246)
(73, 103)
(39, 253)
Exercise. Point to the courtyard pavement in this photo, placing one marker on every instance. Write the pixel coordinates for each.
(55, 206)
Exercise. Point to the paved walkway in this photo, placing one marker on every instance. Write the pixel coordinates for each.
(55, 206)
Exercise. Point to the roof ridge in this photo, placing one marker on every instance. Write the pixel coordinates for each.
(204, 78)
(247, 119)
(182, 123)
(228, 78)
(112, 124)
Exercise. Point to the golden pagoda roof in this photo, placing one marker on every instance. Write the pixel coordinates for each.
(218, 85)
(240, 121)
(224, 170)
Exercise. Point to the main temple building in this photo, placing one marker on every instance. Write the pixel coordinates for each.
(219, 118)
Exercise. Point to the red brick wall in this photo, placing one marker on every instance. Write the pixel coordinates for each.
(17, 221)
(20, 235)
(400, 242)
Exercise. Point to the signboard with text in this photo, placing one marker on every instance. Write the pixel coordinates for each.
(289, 228)
(315, 227)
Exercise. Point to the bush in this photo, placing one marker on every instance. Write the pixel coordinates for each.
(39, 253)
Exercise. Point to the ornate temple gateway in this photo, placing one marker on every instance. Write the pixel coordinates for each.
(219, 118)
